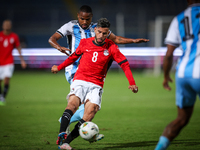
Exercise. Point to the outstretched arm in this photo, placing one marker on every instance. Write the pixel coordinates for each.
(123, 40)
(71, 59)
(167, 64)
(53, 42)
(23, 63)
(124, 64)
(126, 68)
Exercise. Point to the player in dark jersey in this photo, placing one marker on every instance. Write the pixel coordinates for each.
(87, 86)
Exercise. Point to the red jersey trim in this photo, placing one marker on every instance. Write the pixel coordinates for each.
(123, 61)
(77, 54)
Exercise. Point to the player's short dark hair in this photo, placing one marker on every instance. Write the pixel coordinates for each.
(8, 20)
(103, 22)
(85, 8)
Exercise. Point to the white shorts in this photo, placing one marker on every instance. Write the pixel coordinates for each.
(6, 71)
(86, 91)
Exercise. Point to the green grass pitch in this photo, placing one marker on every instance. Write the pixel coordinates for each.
(129, 121)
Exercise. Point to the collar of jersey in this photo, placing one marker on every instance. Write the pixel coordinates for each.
(97, 44)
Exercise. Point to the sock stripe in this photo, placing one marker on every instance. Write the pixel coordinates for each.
(65, 120)
(67, 115)
(81, 121)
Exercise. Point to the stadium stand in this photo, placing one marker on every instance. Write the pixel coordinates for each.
(36, 20)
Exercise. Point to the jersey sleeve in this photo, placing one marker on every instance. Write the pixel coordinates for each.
(173, 37)
(66, 29)
(124, 64)
(73, 57)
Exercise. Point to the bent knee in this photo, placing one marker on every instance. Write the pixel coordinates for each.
(73, 107)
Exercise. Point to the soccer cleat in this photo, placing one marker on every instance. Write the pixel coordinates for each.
(61, 137)
(2, 100)
(98, 137)
(65, 146)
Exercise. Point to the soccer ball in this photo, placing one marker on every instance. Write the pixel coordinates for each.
(88, 131)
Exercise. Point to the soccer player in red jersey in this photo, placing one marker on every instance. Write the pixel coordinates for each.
(96, 54)
(74, 31)
(8, 41)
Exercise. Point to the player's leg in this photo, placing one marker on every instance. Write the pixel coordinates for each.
(6, 86)
(90, 111)
(92, 105)
(69, 79)
(78, 115)
(5, 91)
(6, 73)
(173, 129)
(185, 99)
(71, 108)
(75, 98)
(69, 74)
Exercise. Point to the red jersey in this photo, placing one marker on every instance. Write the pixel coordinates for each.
(7, 44)
(95, 60)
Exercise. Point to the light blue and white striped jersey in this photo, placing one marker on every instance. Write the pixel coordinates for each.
(74, 34)
(184, 31)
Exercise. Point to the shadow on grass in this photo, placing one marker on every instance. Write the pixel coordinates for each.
(191, 142)
(127, 145)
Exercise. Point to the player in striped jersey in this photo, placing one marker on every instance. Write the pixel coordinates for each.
(76, 30)
(184, 31)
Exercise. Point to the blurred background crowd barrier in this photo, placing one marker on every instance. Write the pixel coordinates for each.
(35, 21)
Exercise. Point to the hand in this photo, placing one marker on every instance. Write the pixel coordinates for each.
(165, 83)
(133, 88)
(54, 69)
(140, 40)
(63, 50)
(23, 64)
